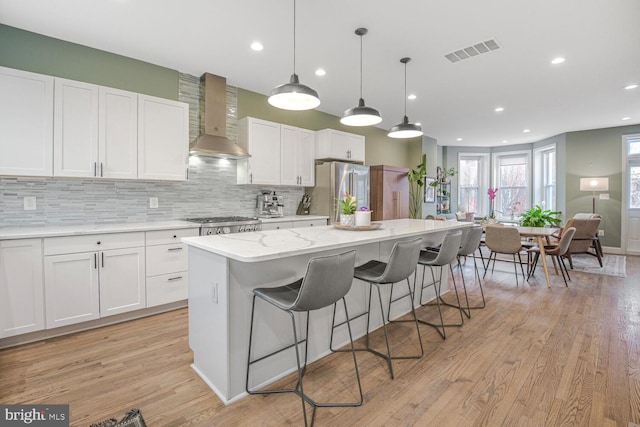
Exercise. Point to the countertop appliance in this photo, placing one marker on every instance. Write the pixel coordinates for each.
(226, 224)
(333, 180)
(269, 205)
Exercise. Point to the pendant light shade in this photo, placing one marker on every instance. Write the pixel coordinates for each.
(361, 115)
(405, 129)
(294, 95)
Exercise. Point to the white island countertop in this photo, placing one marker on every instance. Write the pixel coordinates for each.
(273, 244)
(294, 218)
(9, 233)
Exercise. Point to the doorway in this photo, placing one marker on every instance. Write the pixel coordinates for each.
(631, 188)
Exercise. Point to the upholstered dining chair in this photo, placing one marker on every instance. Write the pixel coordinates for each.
(557, 251)
(585, 240)
(503, 240)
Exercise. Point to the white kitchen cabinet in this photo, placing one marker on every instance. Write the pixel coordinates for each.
(261, 139)
(167, 266)
(310, 223)
(21, 287)
(26, 123)
(297, 156)
(338, 145)
(118, 133)
(75, 136)
(280, 225)
(71, 288)
(163, 139)
(92, 276)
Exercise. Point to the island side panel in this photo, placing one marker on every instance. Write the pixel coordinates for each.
(208, 318)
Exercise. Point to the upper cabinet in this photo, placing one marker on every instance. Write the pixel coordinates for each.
(280, 154)
(163, 139)
(26, 123)
(261, 139)
(75, 129)
(338, 145)
(297, 156)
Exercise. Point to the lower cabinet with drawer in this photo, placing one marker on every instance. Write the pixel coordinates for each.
(167, 265)
(92, 276)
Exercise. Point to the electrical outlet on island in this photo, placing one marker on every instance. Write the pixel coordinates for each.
(600, 233)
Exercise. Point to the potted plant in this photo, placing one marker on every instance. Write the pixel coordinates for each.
(347, 207)
(416, 182)
(537, 217)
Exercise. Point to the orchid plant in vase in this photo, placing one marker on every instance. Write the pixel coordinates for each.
(492, 192)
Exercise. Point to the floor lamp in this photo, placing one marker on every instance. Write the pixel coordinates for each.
(593, 185)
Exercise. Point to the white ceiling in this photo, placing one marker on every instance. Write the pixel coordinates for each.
(600, 40)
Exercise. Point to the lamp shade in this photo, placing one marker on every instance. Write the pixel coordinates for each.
(594, 184)
(361, 115)
(294, 96)
(405, 130)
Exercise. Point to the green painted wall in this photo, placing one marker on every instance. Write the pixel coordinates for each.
(33, 52)
(597, 153)
(380, 149)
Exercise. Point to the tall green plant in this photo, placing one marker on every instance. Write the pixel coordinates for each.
(416, 182)
(537, 217)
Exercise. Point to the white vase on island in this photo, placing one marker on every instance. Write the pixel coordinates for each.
(363, 218)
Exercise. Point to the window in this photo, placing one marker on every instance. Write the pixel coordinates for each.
(511, 177)
(544, 184)
(473, 180)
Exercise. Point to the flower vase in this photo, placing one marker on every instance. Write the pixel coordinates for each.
(347, 220)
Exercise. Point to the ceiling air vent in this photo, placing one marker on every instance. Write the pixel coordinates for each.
(474, 50)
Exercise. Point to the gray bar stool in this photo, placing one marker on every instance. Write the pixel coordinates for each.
(444, 257)
(471, 238)
(402, 263)
(326, 281)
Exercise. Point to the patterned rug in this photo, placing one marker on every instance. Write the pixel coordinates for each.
(612, 265)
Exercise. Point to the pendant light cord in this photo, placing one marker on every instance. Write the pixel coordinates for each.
(405, 89)
(360, 67)
(294, 36)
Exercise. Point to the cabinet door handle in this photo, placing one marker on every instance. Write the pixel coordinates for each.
(171, 279)
(174, 236)
(187, 174)
(102, 254)
(95, 169)
(95, 261)
(174, 249)
(101, 174)
(250, 178)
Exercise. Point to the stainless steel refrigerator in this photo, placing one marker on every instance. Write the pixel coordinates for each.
(333, 180)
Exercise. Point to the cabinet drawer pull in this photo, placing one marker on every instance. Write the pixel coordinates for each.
(171, 279)
(174, 249)
(102, 259)
(98, 242)
(95, 261)
(174, 236)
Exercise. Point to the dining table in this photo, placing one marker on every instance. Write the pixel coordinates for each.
(543, 237)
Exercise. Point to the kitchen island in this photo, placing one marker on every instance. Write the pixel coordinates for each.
(224, 269)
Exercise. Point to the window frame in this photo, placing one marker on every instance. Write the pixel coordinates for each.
(483, 178)
(495, 169)
(539, 177)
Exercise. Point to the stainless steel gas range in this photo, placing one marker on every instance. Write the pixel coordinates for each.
(227, 224)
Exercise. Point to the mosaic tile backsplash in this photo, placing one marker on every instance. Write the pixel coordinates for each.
(211, 189)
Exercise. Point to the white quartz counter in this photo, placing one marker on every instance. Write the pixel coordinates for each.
(274, 244)
(287, 218)
(10, 233)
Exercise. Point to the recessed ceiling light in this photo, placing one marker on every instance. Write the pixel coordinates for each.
(504, 141)
(412, 97)
(499, 109)
(626, 118)
(526, 130)
(458, 139)
(321, 72)
(629, 87)
(558, 60)
(257, 46)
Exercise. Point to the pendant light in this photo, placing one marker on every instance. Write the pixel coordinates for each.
(361, 115)
(405, 129)
(294, 95)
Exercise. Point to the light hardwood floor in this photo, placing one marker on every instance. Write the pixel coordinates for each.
(533, 357)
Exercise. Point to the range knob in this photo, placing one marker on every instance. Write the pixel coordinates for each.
(218, 230)
(226, 230)
(210, 232)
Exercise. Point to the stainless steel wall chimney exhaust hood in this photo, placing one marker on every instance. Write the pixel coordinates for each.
(213, 141)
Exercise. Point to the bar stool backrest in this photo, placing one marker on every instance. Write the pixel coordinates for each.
(327, 280)
(402, 262)
(470, 240)
(449, 248)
